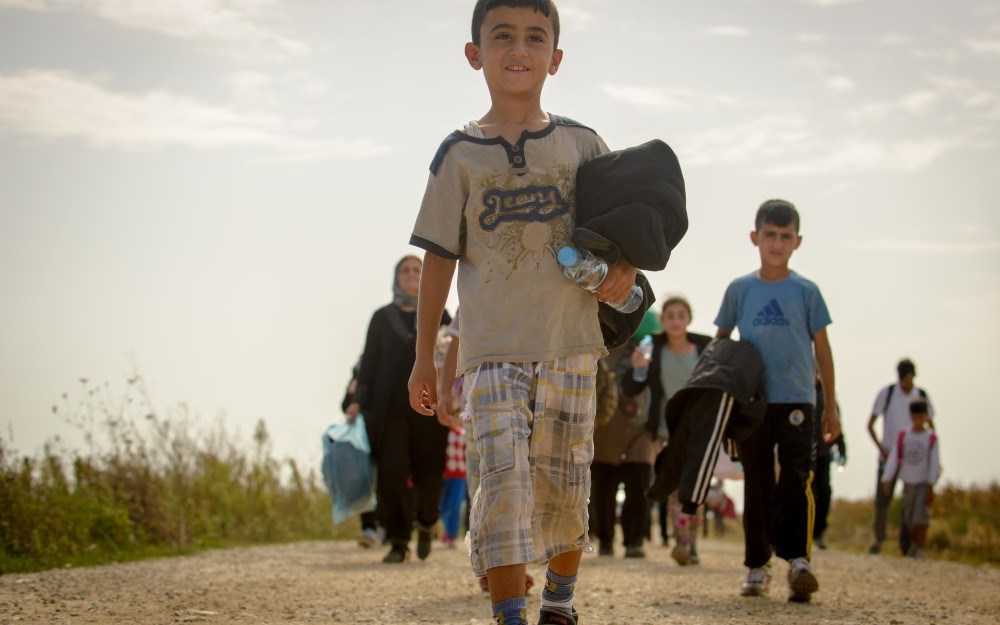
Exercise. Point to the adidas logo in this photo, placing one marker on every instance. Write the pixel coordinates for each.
(771, 315)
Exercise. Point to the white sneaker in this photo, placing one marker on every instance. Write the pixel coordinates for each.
(801, 581)
(368, 539)
(757, 582)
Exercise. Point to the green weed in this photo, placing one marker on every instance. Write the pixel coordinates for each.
(965, 524)
(150, 484)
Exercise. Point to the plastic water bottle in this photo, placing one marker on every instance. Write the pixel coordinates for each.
(639, 374)
(589, 271)
(841, 461)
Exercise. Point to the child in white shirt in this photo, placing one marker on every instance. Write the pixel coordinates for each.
(916, 454)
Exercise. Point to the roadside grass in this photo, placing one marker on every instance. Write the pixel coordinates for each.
(151, 484)
(965, 525)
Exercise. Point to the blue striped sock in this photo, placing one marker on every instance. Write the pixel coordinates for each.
(558, 592)
(511, 611)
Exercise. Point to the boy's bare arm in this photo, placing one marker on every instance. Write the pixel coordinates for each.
(871, 432)
(435, 283)
(723, 334)
(824, 359)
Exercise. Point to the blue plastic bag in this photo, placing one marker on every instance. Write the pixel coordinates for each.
(347, 469)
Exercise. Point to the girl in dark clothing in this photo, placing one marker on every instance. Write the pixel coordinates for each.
(408, 448)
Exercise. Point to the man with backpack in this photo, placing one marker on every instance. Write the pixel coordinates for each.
(893, 404)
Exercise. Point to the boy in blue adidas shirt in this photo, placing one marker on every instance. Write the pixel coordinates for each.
(784, 316)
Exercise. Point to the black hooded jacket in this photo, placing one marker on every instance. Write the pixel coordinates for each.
(631, 204)
(723, 399)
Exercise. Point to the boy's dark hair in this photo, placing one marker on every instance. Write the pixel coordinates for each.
(905, 367)
(777, 212)
(545, 7)
(918, 406)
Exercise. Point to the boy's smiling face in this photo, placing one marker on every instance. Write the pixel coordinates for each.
(776, 244)
(516, 51)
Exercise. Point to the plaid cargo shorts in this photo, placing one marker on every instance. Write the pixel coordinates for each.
(533, 427)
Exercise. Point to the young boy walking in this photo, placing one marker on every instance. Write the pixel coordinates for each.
(915, 455)
(784, 316)
(499, 205)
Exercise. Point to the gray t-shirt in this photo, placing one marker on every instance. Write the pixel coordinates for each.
(503, 211)
(674, 373)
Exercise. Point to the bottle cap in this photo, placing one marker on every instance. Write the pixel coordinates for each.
(567, 256)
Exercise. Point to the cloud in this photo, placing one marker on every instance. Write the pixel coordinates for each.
(812, 37)
(867, 155)
(942, 92)
(575, 18)
(983, 46)
(974, 229)
(59, 105)
(840, 83)
(830, 3)
(658, 98)
(925, 247)
(727, 31)
(895, 39)
(815, 63)
(772, 136)
(967, 92)
(913, 103)
(240, 23)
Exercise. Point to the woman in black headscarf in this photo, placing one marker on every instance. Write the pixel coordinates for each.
(408, 448)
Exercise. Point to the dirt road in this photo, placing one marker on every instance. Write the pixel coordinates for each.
(337, 582)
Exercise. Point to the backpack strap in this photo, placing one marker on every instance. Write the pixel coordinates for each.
(899, 444)
(888, 397)
(933, 440)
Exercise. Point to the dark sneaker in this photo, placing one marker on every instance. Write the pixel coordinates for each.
(821, 542)
(551, 616)
(424, 540)
(801, 581)
(635, 551)
(398, 553)
(606, 550)
(875, 548)
(681, 554)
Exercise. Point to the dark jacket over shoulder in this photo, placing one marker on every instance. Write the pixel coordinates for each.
(723, 398)
(631, 203)
(731, 366)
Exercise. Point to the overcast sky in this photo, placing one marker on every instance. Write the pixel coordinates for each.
(216, 191)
